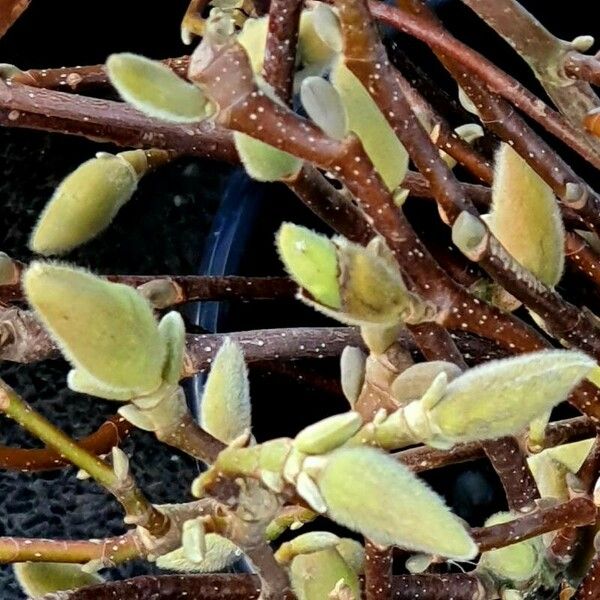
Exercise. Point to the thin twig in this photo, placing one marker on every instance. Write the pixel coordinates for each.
(124, 490)
(424, 458)
(109, 434)
(81, 79)
(583, 67)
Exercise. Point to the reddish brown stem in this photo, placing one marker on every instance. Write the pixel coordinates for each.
(107, 121)
(109, 434)
(459, 586)
(378, 572)
(425, 458)
(589, 589)
(574, 513)
(10, 11)
(82, 79)
(280, 51)
(582, 66)
(440, 40)
(114, 550)
(191, 288)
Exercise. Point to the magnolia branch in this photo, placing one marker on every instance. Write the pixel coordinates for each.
(171, 290)
(460, 586)
(137, 507)
(440, 40)
(109, 434)
(574, 513)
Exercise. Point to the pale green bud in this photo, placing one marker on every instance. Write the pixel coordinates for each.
(8, 272)
(219, 554)
(365, 119)
(314, 541)
(84, 204)
(314, 576)
(323, 105)
(516, 563)
(418, 563)
(172, 331)
(105, 329)
(525, 217)
(311, 260)
(263, 162)
(39, 578)
(120, 462)
(320, 36)
(352, 370)
(412, 383)
(225, 409)
(253, 37)
(154, 89)
(368, 491)
(502, 397)
(353, 553)
(328, 434)
(346, 281)
(193, 540)
(550, 467)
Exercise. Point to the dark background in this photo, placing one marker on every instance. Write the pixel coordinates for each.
(163, 229)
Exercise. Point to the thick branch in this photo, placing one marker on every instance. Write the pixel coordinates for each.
(280, 51)
(171, 290)
(459, 586)
(546, 55)
(107, 121)
(113, 550)
(574, 513)
(439, 40)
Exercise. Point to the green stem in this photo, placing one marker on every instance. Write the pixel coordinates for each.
(137, 507)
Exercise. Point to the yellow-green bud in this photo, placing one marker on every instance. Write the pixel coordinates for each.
(172, 331)
(225, 408)
(40, 578)
(314, 576)
(84, 204)
(219, 554)
(263, 162)
(525, 217)
(154, 89)
(313, 541)
(328, 434)
(367, 121)
(516, 563)
(311, 259)
(502, 397)
(419, 519)
(105, 329)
